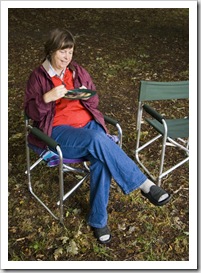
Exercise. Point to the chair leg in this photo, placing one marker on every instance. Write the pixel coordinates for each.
(73, 189)
(28, 172)
(61, 183)
(41, 202)
(62, 197)
(140, 148)
(161, 161)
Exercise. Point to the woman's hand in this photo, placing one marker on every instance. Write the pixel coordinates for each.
(55, 94)
(83, 87)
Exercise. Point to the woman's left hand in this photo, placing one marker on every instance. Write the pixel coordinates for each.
(83, 87)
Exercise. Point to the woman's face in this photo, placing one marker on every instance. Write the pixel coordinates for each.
(61, 58)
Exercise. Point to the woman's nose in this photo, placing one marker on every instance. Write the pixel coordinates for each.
(67, 55)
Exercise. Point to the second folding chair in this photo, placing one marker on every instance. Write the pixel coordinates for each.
(172, 130)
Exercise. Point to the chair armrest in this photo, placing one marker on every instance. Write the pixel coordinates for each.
(153, 113)
(45, 138)
(110, 120)
(118, 127)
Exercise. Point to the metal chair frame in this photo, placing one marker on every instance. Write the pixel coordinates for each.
(150, 91)
(63, 168)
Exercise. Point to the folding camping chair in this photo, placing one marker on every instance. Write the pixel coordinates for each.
(56, 159)
(172, 130)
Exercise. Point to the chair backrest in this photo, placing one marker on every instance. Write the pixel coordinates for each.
(150, 90)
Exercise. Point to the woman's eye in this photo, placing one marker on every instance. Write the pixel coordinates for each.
(64, 52)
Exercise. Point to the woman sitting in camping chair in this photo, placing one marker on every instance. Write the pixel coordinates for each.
(79, 128)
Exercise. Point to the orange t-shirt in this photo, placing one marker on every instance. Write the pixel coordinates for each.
(69, 112)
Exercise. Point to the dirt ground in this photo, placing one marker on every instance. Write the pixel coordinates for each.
(119, 47)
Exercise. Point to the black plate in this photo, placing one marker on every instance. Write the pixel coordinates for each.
(78, 94)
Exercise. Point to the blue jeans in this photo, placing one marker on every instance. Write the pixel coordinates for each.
(107, 160)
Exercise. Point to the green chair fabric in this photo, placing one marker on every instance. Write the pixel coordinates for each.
(150, 90)
(176, 128)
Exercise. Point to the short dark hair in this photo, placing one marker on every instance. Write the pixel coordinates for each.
(58, 39)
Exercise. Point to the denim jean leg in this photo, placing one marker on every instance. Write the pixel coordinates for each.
(100, 180)
(122, 168)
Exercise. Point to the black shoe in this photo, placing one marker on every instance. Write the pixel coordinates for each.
(154, 195)
(102, 235)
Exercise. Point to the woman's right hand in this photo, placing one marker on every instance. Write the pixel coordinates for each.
(55, 93)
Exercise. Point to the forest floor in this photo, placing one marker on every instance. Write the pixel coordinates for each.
(119, 48)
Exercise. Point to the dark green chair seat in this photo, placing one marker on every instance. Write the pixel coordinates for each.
(177, 128)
